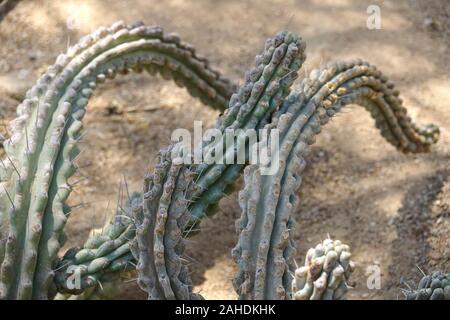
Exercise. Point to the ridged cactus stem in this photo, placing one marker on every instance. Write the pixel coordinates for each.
(169, 192)
(264, 251)
(159, 236)
(42, 150)
(104, 256)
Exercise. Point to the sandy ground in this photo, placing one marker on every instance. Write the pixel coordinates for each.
(390, 208)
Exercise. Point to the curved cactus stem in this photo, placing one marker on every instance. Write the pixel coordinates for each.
(264, 251)
(325, 274)
(263, 92)
(42, 150)
(266, 87)
(325, 92)
(103, 257)
(172, 191)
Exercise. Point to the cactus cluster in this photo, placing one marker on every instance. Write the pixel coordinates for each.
(435, 286)
(149, 234)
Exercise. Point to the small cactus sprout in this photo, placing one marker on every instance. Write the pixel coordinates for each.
(435, 286)
(325, 274)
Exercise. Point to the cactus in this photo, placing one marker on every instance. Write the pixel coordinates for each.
(42, 151)
(325, 273)
(104, 256)
(435, 286)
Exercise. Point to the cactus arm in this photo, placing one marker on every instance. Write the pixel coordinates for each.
(103, 253)
(326, 91)
(263, 252)
(104, 256)
(43, 144)
(336, 81)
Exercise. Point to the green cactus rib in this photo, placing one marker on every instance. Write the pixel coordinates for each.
(158, 236)
(264, 251)
(110, 288)
(325, 274)
(435, 286)
(43, 144)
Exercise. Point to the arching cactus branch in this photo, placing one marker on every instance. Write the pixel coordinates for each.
(42, 150)
(264, 251)
(172, 193)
